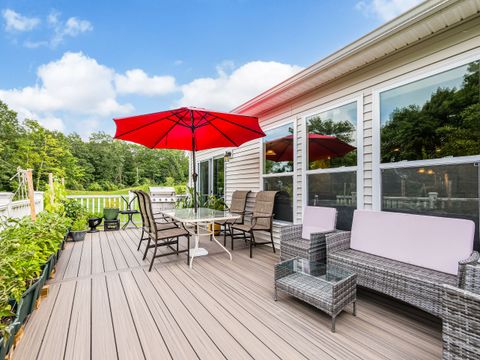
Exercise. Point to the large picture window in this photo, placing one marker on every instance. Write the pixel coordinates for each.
(278, 165)
(430, 145)
(331, 154)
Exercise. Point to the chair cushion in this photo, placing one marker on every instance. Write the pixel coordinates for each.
(431, 242)
(318, 219)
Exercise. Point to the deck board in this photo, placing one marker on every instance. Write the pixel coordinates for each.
(104, 304)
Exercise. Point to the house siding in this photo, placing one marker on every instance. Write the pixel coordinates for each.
(243, 171)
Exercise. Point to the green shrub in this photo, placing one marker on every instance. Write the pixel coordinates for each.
(94, 187)
(25, 247)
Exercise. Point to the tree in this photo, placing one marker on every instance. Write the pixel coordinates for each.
(448, 124)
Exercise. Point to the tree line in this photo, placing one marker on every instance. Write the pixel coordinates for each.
(100, 163)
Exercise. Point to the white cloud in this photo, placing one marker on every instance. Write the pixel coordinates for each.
(136, 81)
(229, 90)
(385, 9)
(17, 22)
(72, 27)
(75, 84)
(76, 93)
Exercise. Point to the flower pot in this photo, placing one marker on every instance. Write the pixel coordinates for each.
(78, 235)
(110, 213)
(216, 228)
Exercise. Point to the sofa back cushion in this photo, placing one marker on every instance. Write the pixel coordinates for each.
(431, 242)
(318, 219)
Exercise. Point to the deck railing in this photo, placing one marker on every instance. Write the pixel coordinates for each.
(20, 208)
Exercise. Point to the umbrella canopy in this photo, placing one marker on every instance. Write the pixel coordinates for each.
(188, 128)
(320, 147)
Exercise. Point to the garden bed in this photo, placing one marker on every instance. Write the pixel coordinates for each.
(28, 254)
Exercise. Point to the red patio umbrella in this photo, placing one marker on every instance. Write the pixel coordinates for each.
(320, 147)
(188, 128)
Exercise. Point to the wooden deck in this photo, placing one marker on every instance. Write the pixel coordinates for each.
(104, 304)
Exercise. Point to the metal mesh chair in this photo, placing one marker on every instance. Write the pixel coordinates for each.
(237, 206)
(162, 234)
(261, 220)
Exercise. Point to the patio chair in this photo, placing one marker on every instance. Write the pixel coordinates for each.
(237, 206)
(261, 220)
(162, 222)
(460, 315)
(163, 237)
(307, 240)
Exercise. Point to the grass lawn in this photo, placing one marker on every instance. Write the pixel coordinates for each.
(115, 192)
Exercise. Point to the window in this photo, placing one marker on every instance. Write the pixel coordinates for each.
(430, 145)
(212, 175)
(331, 161)
(218, 177)
(278, 164)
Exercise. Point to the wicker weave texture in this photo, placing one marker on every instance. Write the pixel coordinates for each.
(461, 324)
(292, 245)
(415, 285)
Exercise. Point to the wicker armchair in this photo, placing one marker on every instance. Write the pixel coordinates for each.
(261, 220)
(461, 317)
(307, 240)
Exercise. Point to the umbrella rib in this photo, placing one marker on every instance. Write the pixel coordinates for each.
(166, 133)
(239, 125)
(145, 125)
(221, 132)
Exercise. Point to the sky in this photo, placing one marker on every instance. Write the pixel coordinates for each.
(76, 65)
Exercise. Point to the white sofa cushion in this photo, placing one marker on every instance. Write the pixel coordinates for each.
(318, 219)
(431, 242)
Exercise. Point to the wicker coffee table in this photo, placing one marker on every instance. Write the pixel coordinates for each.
(328, 288)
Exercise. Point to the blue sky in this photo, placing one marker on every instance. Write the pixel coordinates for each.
(74, 65)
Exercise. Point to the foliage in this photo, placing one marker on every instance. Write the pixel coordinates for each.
(58, 194)
(100, 163)
(446, 125)
(187, 201)
(25, 246)
(215, 202)
(80, 223)
(211, 201)
(73, 209)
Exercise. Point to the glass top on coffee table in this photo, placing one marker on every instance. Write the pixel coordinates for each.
(328, 273)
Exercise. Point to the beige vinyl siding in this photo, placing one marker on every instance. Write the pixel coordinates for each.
(243, 172)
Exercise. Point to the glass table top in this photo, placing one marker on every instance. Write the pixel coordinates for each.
(328, 273)
(201, 215)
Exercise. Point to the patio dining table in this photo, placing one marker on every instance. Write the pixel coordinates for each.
(199, 221)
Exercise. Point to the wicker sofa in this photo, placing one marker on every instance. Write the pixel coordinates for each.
(408, 257)
(461, 317)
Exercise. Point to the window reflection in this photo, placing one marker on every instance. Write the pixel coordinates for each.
(338, 190)
(432, 118)
(446, 190)
(283, 208)
(332, 138)
(278, 150)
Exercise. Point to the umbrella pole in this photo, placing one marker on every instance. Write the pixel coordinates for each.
(194, 173)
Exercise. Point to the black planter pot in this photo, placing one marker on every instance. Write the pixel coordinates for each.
(78, 235)
(93, 223)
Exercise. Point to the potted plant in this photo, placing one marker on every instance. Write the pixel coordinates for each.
(111, 209)
(79, 228)
(216, 203)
